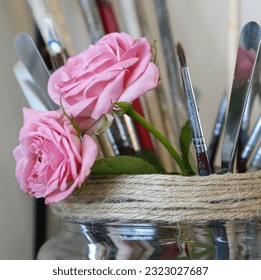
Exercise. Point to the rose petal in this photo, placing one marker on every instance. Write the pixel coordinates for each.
(148, 81)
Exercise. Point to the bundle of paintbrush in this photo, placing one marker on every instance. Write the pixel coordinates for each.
(236, 139)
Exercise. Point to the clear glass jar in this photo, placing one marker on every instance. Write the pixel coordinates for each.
(151, 241)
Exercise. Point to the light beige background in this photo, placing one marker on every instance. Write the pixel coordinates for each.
(202, 26)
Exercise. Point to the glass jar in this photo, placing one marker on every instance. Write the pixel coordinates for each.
(160, 217)
(237, 240)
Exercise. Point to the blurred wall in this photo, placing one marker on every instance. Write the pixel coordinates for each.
(16, 209)
(202, 27)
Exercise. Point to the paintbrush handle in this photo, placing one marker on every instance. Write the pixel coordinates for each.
(46, 25)
(204, 168)
(254, 136)
(256, 161)
(191, 104)
(107, 16)
(249, 146)
(217, 130)
(203, 164)
(92, 19)
(197, 133)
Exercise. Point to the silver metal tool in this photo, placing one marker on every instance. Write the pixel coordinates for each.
(30, 56)
(248, 50)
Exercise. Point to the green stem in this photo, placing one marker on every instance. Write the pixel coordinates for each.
(130, 111)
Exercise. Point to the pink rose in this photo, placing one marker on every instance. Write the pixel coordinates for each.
(51, 161)
(116, 68)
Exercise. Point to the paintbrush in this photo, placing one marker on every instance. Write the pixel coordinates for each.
(218, 230)
(177, 100)
(54, 10)
(255, 164)
(48, 29)
(217, 130)
(252, 141)
(92, 19)
(197, 133)
(107, 16)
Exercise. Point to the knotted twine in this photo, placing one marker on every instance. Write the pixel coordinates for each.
(165, 198)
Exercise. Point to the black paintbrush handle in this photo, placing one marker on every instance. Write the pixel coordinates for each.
(39, 225)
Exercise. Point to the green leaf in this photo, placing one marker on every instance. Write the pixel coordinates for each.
(150, 157)
(122, 165)
(185, 140)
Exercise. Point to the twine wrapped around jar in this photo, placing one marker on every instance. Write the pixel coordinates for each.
(165, 198)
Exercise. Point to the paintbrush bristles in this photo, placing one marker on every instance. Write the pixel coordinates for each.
(181, 55)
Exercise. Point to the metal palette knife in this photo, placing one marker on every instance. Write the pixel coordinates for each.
(247, 56)
(30, 56)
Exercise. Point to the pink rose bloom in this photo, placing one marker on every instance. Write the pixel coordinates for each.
(51, 161)
(116, 68)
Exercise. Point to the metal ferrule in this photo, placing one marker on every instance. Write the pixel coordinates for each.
(200, 145)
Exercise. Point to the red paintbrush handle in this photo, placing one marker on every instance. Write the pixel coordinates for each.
(107, 16)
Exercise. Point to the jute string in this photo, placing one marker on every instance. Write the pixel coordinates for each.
(165, 198)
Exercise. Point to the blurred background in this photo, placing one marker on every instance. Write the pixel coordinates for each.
(209, 32)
